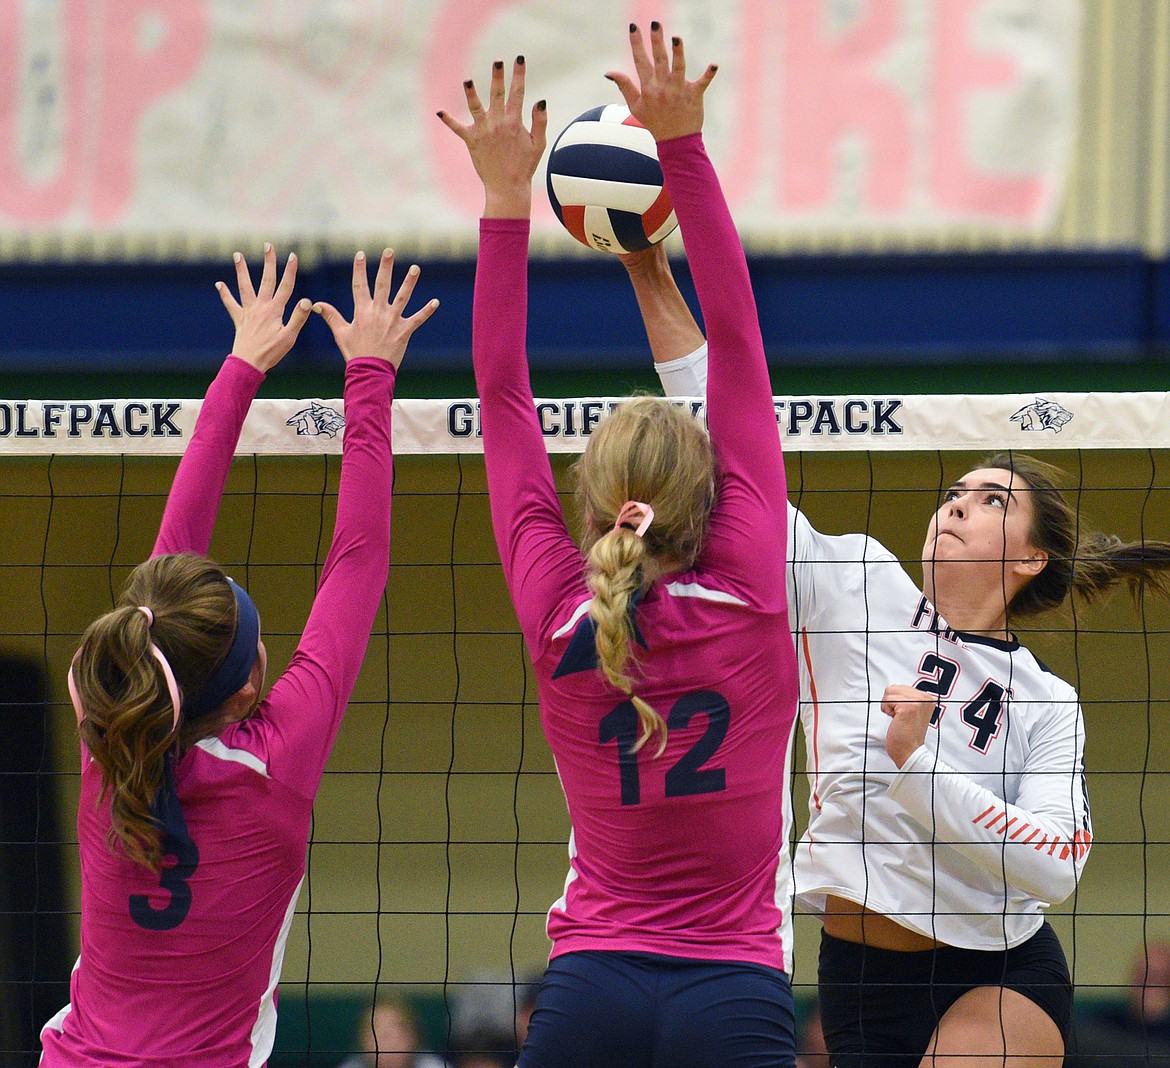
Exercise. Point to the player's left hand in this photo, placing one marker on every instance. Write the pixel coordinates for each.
(503, 150)
(263, 338)
(909, 710)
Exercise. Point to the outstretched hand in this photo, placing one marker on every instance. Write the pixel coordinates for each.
(504, 152)
(262, 336)
(379, 327)
(663, 100)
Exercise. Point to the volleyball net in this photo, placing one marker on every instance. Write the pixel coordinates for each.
(440, 833)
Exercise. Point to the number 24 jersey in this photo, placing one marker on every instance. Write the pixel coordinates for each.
(988, 821)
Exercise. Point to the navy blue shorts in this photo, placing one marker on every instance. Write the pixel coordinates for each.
(879, 1008)
(638, 1010)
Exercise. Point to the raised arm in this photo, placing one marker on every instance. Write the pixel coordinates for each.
(305, 706)
(740, 413)
(539, 559)
(262, 340)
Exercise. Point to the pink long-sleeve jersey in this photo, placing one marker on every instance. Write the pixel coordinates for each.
(683, 854)
(180, 969)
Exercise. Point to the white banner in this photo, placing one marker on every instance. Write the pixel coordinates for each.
(884, 423)
(182, 126)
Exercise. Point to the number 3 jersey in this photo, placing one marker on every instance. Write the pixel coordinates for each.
(685, 853)
(179, 967)
(988, 821)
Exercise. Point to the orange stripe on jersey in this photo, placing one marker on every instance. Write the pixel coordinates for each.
(658, 212)
(812, 688)
(573, 216)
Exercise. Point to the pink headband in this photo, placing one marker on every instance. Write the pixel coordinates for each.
(156, 652)
(629, 514)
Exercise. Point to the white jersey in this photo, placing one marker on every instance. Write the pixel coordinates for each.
(988, 821)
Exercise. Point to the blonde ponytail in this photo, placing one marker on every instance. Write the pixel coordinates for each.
(615, 576)
(647, 450)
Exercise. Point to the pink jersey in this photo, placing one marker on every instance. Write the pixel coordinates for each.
(684, 854)
(182, 969)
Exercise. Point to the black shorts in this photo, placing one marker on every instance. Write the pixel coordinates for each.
(879, 1008)
(638, 1010)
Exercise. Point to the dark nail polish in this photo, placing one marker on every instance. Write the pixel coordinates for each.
(541, 105)
(633, 28)
(655, 26)
(467, 84)
(498, 65)
(676, 41)
(520, 61)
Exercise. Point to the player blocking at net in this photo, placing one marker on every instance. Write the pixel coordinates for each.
(666, 673)
(196, 787)
(947, 804)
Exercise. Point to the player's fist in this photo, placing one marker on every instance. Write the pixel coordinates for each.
(909, 710)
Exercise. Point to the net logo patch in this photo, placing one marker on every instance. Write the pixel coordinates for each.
(1041, 414)
(98, 419)
(317, 420)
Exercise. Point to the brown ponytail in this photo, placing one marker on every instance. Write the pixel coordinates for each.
(652, 451)
(128, 711)
(1088, 563)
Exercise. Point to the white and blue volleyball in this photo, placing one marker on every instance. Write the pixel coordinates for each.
(605, 183)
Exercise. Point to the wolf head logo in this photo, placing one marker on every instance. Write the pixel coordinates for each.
(1042, 415)
(316, 420)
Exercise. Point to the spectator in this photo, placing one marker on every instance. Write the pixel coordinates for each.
(1133, 1032)
(389, 1037)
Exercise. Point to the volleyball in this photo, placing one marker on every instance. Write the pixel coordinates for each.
(605, 183)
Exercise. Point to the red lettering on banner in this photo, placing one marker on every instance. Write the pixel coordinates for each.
(833, 88)
(21, 197)
(959, 73)
(133, 78)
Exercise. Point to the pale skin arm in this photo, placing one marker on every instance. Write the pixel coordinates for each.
(670, 327)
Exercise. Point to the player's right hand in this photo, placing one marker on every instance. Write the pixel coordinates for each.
(909, 710)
